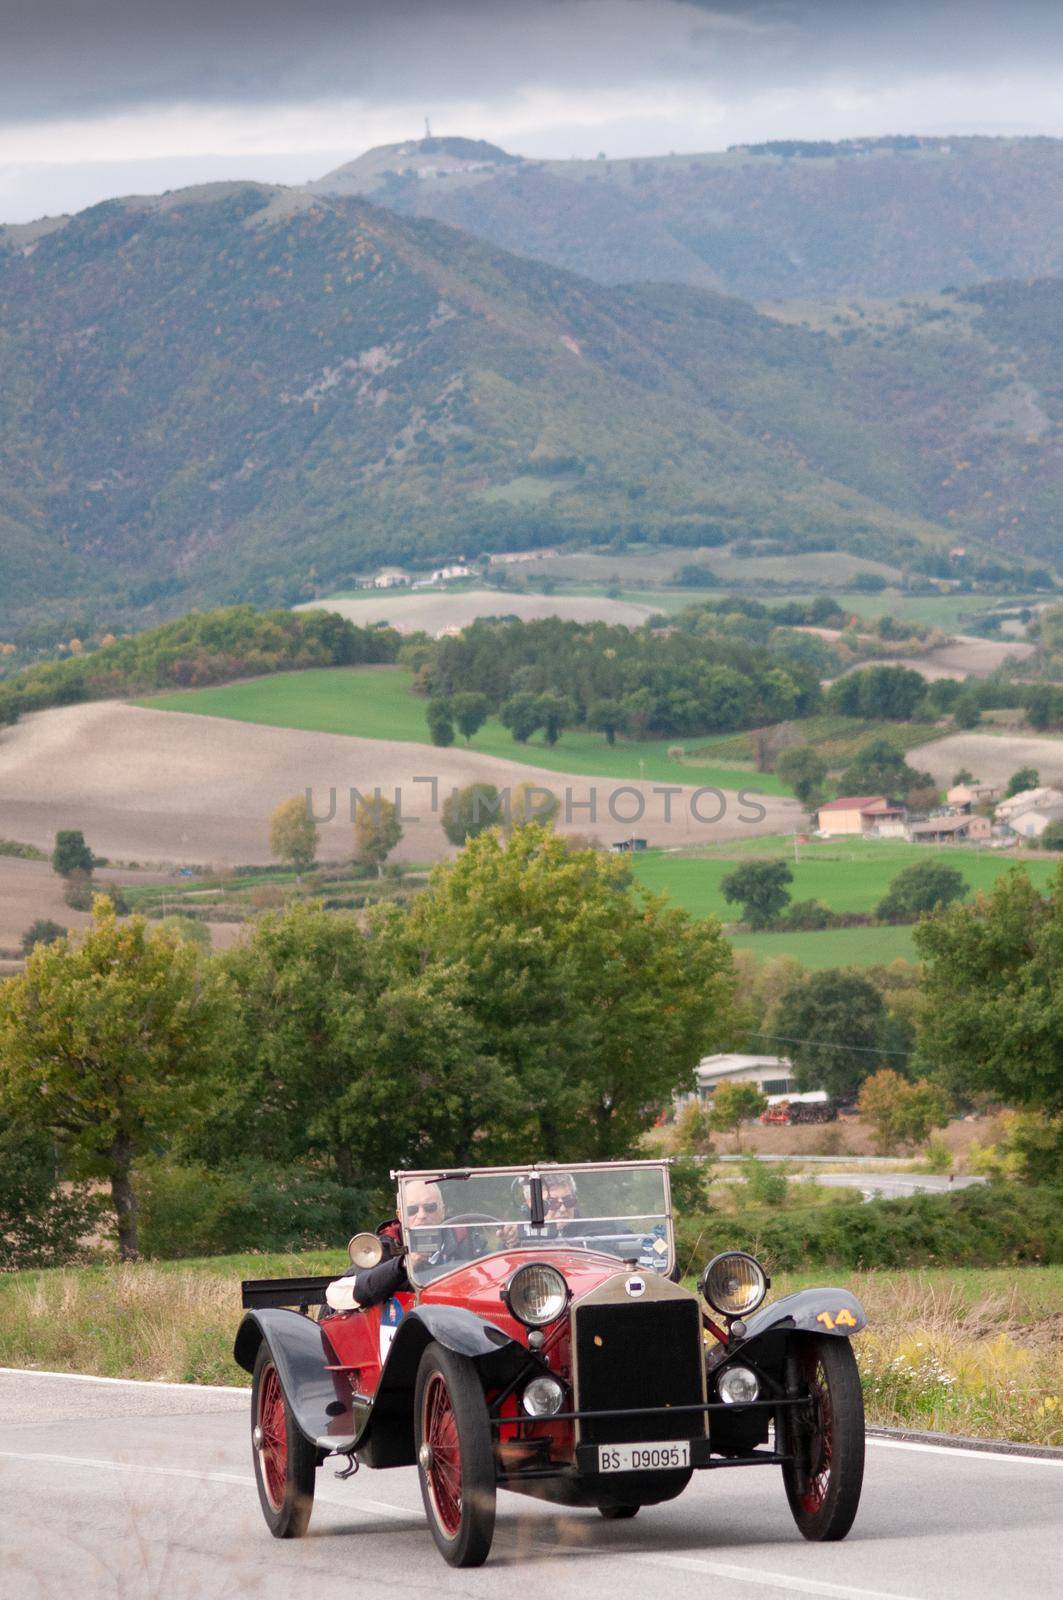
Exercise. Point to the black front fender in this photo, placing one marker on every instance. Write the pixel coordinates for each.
(830, 1311)
(320, 1400)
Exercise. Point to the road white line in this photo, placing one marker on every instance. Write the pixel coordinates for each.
(139, 1383)
(966, 1454)
(770, 1580)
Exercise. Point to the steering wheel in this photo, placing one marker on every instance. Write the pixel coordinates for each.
(471, 1216)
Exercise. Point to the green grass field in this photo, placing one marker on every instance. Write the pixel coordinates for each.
(833, 947)
(378, 703)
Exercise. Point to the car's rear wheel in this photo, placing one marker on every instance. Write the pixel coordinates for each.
(285, 1461)
(455, 1460)
(823, 1482)
(617, 1513)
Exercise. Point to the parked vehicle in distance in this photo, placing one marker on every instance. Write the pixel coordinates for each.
(550, 1349)
(794, 1109)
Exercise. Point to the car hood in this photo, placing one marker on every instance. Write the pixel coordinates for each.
(476, 1284)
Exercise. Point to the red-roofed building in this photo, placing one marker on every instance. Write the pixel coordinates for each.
(862, 813)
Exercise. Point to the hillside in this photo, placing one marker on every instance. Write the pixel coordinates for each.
(880, 217)
(245, 392)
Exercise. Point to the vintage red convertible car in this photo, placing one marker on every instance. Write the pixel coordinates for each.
(544, 1345)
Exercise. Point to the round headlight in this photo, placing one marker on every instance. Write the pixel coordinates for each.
(737, 1386)
(537, 1294)
(542, 1397)
(734, 1283)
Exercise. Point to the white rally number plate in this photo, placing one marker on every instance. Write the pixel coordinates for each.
(643, 1457)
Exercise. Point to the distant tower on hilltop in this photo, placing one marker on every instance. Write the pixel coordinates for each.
(427, 127)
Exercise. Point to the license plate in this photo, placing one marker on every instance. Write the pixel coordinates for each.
(643, 1457)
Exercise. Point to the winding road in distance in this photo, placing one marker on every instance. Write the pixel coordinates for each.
(130, 1491)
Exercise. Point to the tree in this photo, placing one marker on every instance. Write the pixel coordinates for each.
(731, 1105)
(1019, 782)
(522, 715)
(921, 888)
(591, 1000)
(833, 1026)
(967, 713)
(556, 711)
(377, 830)
(43, 931)
(693, 1132)
(530, 802)
(72, 854)
(1052, 838)
(879, 767)
(104, 1046)
(607, 716)
(349, 1048)
(293, 833)
(1044, 705)
(993, 995)
(900, 1112)
(963, 776)
(760, 888)
(470, 711)
(879, 692)
(805, 770)
(440, 723)
(467, 812)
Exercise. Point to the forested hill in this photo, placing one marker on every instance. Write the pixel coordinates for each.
(881, 217)
(241, 391)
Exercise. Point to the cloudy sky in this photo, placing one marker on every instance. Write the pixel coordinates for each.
(119, 96)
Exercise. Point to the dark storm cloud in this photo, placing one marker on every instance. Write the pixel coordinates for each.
(71, 58)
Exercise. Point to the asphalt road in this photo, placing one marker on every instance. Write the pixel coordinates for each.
(115, 1491)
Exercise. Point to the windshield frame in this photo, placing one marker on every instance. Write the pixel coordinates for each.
(542, 1169)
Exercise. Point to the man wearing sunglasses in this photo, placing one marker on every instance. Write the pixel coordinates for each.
(360, 1287)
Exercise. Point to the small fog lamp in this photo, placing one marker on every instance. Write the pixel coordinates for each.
(737, 1386)
(734, 1283)
(542, 1397)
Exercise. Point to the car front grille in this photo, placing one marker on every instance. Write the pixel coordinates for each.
(631, 1356)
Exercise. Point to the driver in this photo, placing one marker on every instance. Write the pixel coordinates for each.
(361, 1287)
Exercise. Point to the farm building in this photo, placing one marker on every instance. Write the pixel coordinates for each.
(771, 1074)
(951, 830)
(868, 813)
(966, 795)
(1025, 800)
(1032, 823)
(391, 578)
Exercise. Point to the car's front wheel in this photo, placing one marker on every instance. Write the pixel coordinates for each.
(455, 1460)
(285, 1461)
(618, 1513)
(824, 1479)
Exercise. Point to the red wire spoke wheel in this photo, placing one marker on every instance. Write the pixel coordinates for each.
(455, 1457)
(823, 1483)
(285, 1461)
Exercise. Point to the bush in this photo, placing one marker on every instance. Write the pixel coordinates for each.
(72, 854)
(196, 1210)
(690, 1177)
(43, 931)
(79, 893)
(992, 1226)
(42, 1220)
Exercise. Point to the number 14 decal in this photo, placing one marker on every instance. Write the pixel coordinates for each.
(841, 1319)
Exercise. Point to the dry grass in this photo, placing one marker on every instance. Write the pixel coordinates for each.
(957, 1351)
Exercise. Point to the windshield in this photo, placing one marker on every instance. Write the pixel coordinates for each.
(619, 1210)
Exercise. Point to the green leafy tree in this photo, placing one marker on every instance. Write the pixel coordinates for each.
(350, 1048)
(607, 716)
(879, 767)
(556, 711)
(900, 1112)
(530, 802)
(104, 1047)
(692, 1135)
(805, 770)
(72, 854)
(522, 715)
(1052, 838)
(43, 931)
(591, 1000)
(440, 723)
(468, 812)
(833, 1026)
(963, 776)
(760, 887)
(43, 1219)
(377, 830)
(469, 709)
(992, 1011)
(293, 833)
(733, 1104)
(967, 713)
(1044, 706)
(1025, 778)
(921, 888)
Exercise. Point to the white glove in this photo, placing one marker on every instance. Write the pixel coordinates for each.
(340, 1295)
